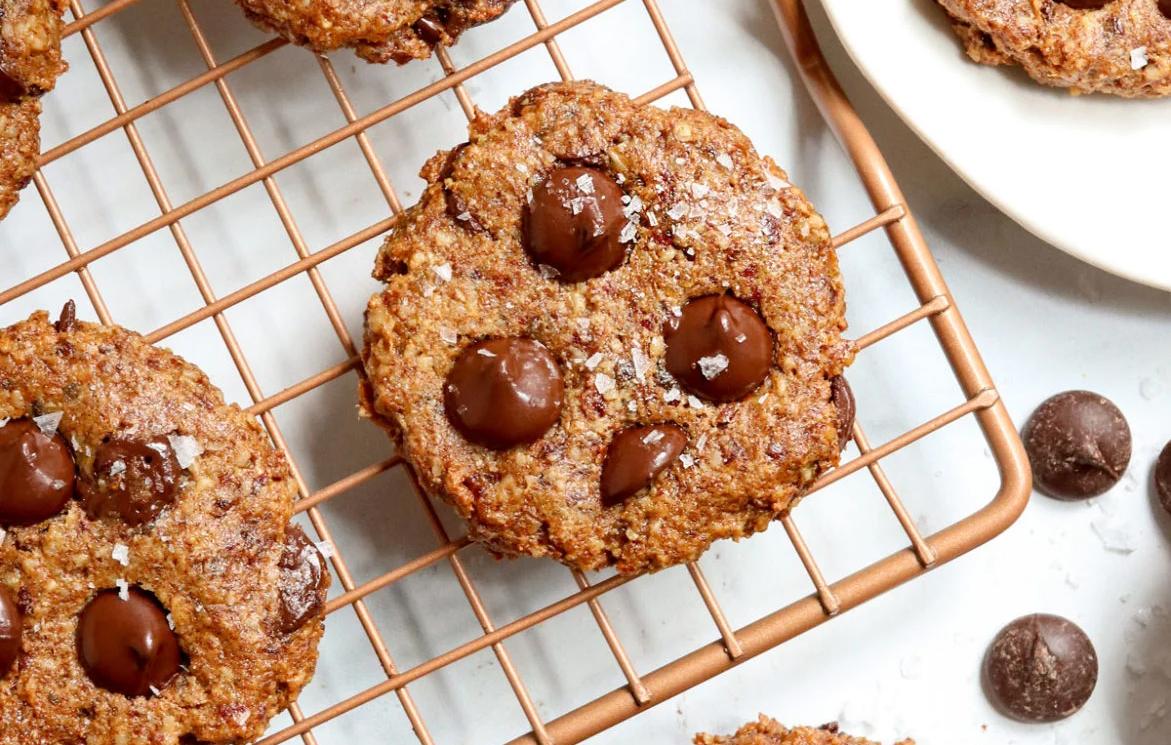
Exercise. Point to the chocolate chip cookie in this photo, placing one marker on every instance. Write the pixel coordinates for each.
(152, 588)
(30, 61)
(766, 731)
(610, 333)
(377, 30)
(1122, 47)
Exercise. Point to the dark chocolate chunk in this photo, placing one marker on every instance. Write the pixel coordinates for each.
(302, 582)
(1078, 443)
(68, 319)
(503, 392)
(1040, 668)
(636, 456)
(132, 479)
(1163, 477)
(36, 473)
(718, 348)
(11, 90)
(429, 30)
(843, 398)
(11, 627)
(127, 646)
(575, 222)
(1165, 8)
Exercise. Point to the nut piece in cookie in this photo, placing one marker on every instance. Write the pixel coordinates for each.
(30, 62)
(377, 30)
(609, 332)
(171, 600)
(767, 731)
(1120, 47)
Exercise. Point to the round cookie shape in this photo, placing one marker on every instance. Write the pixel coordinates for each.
(11, 628)
(1041, 668)
(1119, 47)
(111, 604)
(574, 224)
(36, 473)
(636, 456)
(718, 348)
(768, 731)
(125, 644)
(377, 30)
(1078, 443)
(706, 216)
(503, 392)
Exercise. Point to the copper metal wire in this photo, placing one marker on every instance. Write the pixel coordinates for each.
(731, 645)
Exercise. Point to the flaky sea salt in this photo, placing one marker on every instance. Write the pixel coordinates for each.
(776, 182)
(522, 168)
(443, 271)
(699, 190)
(774, 208)
(724, 160)
(672, 395)
(121, 554)
(465, 216)
(186, 448)
(593, 360)
(641, 363)
(4, 420)
(686, 460)
(485, 352)
(711, 367)
(694, 402)
(123, 589)
(326, 549)
(1139, 58)
(677, 211)
(701, 443)
(3, 533)
(585, 184)
(48, 423)
(171, 621)
(448, 336)
(629, 231)
(604, 383)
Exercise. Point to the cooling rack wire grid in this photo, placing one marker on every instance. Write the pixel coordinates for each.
(809, 606)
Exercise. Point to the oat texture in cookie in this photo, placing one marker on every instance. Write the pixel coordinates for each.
(1121, 47)
(30, 61)
(609, 332)
(377, 30)
(152, 587)
(767, 731)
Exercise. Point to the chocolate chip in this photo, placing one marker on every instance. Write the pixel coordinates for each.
(503, 392)
(1078, 443)
(575, 222)
(127, 646)
(843, 398)
(719, 348)
(11, 90)
(1086, 4)
(429, 30)
(636, 456)
(11, 627)
(36, 473)
(1163, 477)
(132, 479)
(1165, 8)
(303, 580)
(68, 319)
(1040, 668)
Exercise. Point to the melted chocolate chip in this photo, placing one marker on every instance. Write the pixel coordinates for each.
(503, 392)
(68, 320)
(36, 473)
(11, 627)
(1165, 8)
(574, 224)
(1040, 668)
(1078, 443)
(429, 30)
(126, 646)
(11, 89)
(303, 581)
(1163, 477)
(132, 479)
(719, 348)
(636, 456)
(843, 398)
(1086, 4)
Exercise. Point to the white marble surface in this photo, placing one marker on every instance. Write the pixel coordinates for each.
(905, 664)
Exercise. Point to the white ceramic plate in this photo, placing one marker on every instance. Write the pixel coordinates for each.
(1089, 174)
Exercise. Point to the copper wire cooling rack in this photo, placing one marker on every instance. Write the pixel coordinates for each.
(731, 646)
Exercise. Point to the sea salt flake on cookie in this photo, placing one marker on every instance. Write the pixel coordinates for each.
(48, 423)
(121, 554)
(186, 448)
(1139, 58)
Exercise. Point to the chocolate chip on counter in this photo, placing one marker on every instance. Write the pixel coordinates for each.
(1078, 443)
(636, 456)
(503, 392)
(1040, 668)
(36, 473)
(575, 224)
(843, 399)
(125, 645)
(1163, 477)
(718, 348)
(11, 628)
(132, 479)
(303, 580)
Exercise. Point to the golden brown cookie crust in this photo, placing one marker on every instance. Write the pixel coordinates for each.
(30, 61)
(211, 558)
(1123, 48)
(767, 731)
(377, 30)
(713, 217)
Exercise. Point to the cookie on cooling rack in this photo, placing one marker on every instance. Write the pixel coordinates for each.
(30, 61)
(152, 588)
(609, 332)
(767, 731)
(377, 30)
(1121, 47)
